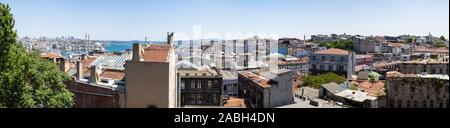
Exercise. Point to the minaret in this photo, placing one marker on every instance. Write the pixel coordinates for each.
(257, 49)
(246, 54)
(223, 54)
(268, 49)
(191, 51)
(234, 50)
(201, 52)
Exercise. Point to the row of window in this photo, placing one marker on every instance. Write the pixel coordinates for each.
(331, 58)
(328, 67)
(417, 104)
(198, 84)
(294, 67)
(202, 99)
(414, 71)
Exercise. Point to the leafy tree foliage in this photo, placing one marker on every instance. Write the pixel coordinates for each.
(340, 44)
(26, 80)
(315, 81)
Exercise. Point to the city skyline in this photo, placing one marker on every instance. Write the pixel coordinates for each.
(125, 20)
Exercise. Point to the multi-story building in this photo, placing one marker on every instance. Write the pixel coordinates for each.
(333, 60)
(417, 90)
(423, 67)
(151, 77)
(266, 89)
(230, 83)
(200, 87)
(296, 65)
(98, 81)
(366, 45)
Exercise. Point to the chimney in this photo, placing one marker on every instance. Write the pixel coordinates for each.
(170, 38)
(83, 57)
(94, 78)
(62, 65)
(137, 52)
(79, 67)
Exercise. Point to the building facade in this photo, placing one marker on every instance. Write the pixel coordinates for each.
(417, 91)
(266, 89)
(151, 77)
(200, 87)
(333, 60)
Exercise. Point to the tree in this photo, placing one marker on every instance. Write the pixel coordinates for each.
(443, 38)
(26, 80)
(340, 44)
(315, 81)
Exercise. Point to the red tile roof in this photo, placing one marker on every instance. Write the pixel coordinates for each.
(156, 53)
(333, 51)
(50, 55)
(375, 89)
(115, 75)
(235, 102)
(261, 81)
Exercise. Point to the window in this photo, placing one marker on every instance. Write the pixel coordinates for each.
(215, 98)
(192, 99)
(225, 89)
(331, 67)
(314, 58)
(182, 85)
(323, 58)
(332, 58)
(341, 68)
(209, 84)
(192, 86)
(314, 67)
(199, 84)
(322, 67)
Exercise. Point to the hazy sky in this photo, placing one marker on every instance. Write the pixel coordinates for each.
(135, 19)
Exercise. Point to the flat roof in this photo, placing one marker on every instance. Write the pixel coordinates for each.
(355, 95)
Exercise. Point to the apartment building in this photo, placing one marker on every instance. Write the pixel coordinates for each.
(151, 76)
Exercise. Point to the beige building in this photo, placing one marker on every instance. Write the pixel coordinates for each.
(151, 77)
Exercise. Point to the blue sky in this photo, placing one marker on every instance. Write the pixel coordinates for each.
(135, 19)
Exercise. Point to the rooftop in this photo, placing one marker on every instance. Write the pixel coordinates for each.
(261, 81)
(394, 74)
(111, 61)
(112, 74)
(235, 102)
(51, 55)
(156, 53)
(333, 87)
(333, 51)
(355, 95)
(197, 73)
(229, 75)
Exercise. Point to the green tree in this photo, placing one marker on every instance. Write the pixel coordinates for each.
(443, 38)
(340, 44)
(26, 80)
(315, 81)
